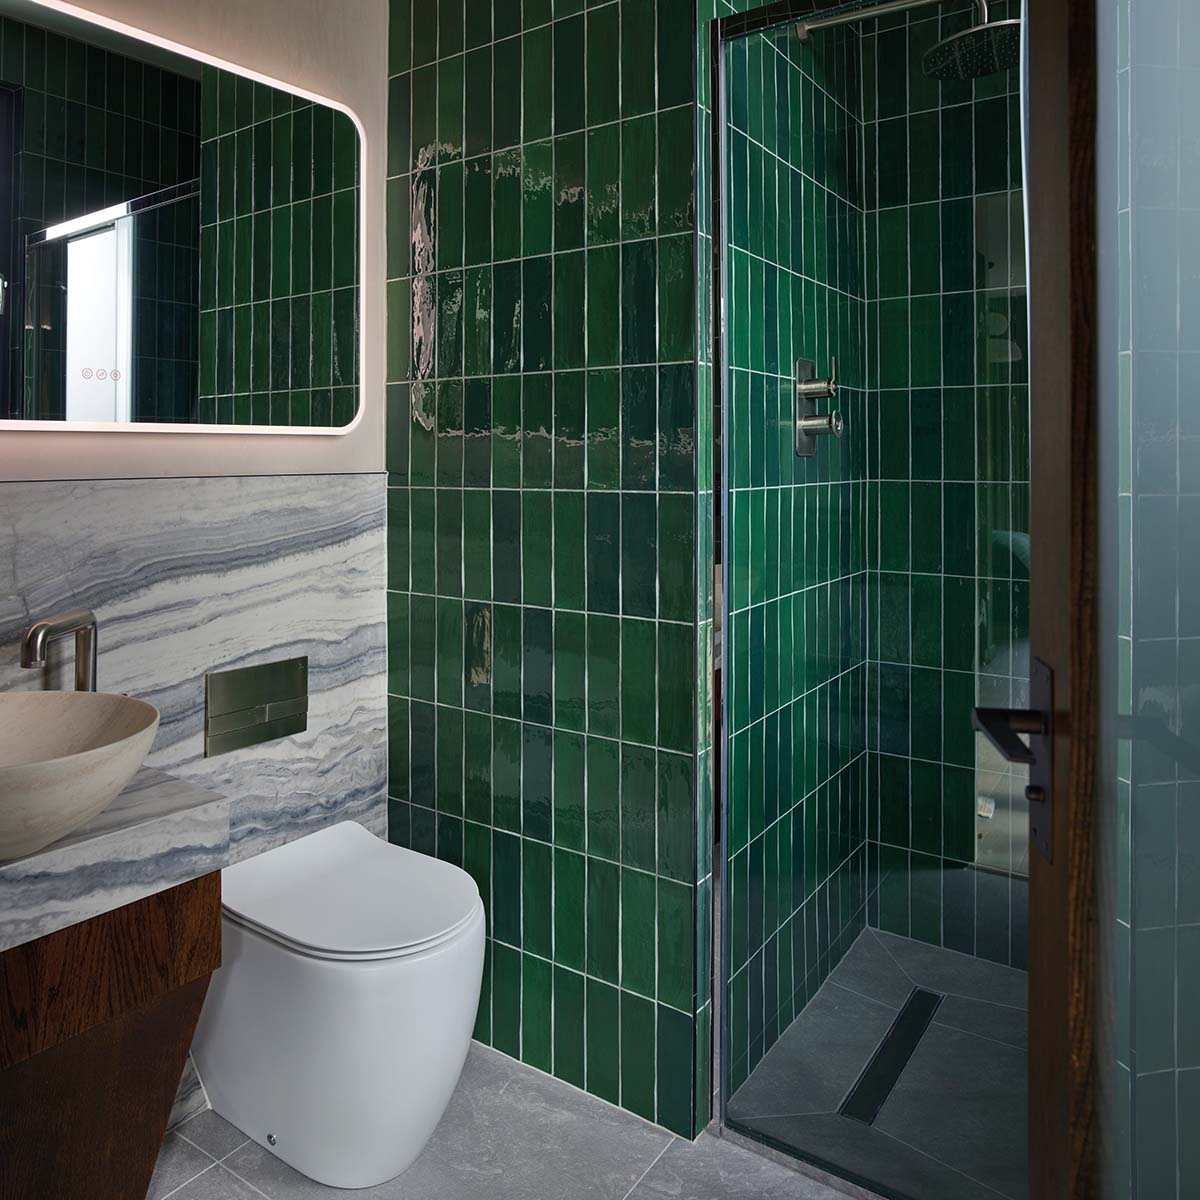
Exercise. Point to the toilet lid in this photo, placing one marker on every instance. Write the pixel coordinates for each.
(343, 891)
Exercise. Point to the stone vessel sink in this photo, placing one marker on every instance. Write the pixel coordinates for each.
(65, 756)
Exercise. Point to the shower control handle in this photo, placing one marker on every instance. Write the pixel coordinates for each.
(818, 389)
(808, 390)
(822, 423)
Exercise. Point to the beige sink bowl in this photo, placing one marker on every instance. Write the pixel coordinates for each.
(64, 757)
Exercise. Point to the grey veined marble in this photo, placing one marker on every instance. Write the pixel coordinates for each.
(158, 833)
(188, 576)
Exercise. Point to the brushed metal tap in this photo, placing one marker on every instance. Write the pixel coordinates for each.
(809, 424)
(82, 623)
(818, 389)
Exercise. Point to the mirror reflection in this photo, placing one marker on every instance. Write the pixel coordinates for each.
(183, 242)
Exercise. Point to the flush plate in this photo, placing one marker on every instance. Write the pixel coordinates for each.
(248, 705)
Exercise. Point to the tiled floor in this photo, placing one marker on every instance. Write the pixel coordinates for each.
(510, 1133)
(953, 1127)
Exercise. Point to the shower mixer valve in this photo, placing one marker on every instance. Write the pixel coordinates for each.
(809, 423)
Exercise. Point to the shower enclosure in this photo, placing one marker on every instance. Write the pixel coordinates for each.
(870, 274)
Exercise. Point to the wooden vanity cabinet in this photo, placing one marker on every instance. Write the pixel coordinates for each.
(95, 1025)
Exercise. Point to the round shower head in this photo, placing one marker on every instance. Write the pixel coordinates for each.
(981, 50)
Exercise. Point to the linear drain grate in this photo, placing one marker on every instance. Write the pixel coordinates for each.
(872, 1088)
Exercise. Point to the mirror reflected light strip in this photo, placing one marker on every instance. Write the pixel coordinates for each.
(103, 216)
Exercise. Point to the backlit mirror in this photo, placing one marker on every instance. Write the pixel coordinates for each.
(179, 244)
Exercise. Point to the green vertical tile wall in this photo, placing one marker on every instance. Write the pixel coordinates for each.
(94, 128)
(795, 561)
(948, 461)
(542, 436)
(279, 257)
(166, 300)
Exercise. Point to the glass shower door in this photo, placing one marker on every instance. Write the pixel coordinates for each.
(875, 849)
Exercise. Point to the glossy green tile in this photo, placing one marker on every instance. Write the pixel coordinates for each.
(603, 942)
(537, 766)
(537, 866)
(637, 1055)
(569, 1026)
(603, 183)
(638, 680)
(569, 908)
(603, 1034)
(545, 478)
(638, 925)
(603, 797)
(506, 999)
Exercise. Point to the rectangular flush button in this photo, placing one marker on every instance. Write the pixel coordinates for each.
(249, 705)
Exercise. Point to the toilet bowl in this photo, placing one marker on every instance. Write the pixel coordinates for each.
(336, 1029)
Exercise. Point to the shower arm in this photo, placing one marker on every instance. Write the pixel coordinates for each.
(805, 29)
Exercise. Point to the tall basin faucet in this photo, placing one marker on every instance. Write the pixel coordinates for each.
(82, 623)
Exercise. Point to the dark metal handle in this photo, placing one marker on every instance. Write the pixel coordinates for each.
(1001, 725)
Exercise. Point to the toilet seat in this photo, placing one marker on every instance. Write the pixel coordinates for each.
(344, 894)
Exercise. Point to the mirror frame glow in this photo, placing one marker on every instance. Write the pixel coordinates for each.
(115, 429)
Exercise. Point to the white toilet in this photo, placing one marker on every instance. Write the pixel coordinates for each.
(337, 1027)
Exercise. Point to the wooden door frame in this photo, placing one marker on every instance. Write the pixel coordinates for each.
(1061, 205)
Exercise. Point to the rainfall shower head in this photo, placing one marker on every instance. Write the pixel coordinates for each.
(985, 49)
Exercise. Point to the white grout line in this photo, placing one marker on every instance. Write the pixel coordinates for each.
(240, 1179)
(177, 1190)
(179, 1130)
(642, 1176)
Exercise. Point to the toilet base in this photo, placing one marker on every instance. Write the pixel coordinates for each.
(342, 1069)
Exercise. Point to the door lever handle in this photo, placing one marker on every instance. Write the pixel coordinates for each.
(1001, 725)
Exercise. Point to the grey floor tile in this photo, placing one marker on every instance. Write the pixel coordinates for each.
(509, 1134)
(217, 1184)
(867, 968)
(713, 1169)
(273, 1178)
(178, 1161)
(958, 974)
(962, 1100)
(214, 1135)
(871, 1157)
(995, 1021)
(815, 1063)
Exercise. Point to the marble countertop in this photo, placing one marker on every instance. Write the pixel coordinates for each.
(158, 833)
